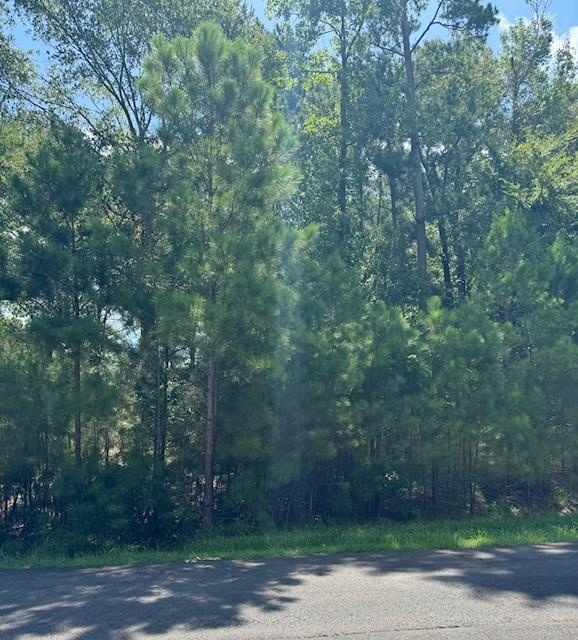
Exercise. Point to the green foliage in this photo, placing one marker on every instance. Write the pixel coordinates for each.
(211, 305)
(496, 531)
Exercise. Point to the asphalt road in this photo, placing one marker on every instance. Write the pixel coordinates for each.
(527, 593)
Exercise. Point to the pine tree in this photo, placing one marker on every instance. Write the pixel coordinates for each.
(58, 265)
(228, 146)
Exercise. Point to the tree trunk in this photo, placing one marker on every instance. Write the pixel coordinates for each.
(393, 200)
(148, 384)
(161, 409)
(445, 258)
(343, 139)
(76, 356)
(472, 486)
(391, 178)
(164, 418)
(379, 199)
(415, 157)
(107, 447)
(210, 442)
(434, 486)
(76, 376)
(461, 277)
(77, 415)
(515, 106)
(411, 470)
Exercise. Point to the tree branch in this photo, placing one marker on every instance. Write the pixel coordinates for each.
(433, 22)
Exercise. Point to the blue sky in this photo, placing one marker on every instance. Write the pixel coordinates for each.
(563, 12)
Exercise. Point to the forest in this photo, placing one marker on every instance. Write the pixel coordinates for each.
(257, 276)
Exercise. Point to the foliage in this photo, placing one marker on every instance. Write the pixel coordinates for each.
(494, 531)
(253, 280)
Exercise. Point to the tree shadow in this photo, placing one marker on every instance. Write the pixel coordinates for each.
(538, 573)
(117, 602)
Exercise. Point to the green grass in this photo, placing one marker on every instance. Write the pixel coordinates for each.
(455, 534)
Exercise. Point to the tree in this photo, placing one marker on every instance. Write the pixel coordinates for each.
(99, 48)
(464, 17)
(325, 345)
(462, 138)
(344, 23)
(102, 43)
(15, 70)
(192, 330)
(525, 56)
(228, 144)
(61, 281)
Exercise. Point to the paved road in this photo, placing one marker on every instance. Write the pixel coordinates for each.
(528, 593)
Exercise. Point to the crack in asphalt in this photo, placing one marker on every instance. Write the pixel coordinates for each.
(372, 632)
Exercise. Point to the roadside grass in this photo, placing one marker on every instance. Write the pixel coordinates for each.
(388, 536)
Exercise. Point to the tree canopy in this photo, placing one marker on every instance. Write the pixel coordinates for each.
(254, 278)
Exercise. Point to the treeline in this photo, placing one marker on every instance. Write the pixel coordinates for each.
(253, 278)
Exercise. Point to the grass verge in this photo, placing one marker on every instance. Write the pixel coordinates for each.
(448, 534)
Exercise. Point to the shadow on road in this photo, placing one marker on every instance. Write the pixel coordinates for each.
(107, 603)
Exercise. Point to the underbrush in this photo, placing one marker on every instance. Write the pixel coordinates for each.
(384, 536)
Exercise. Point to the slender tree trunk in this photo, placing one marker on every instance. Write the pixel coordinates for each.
(343, 138)
(472, 484)
(210, 442)
(45, 442)
(148, 384)
(157, 404)
(415, 157)
(392, 181)
(379, 200)
(76, 376)
(106, 446)
(461, 276)
(211, 417)
(411, 469)
(164, 417)
(77, 415)
(515, 107)
(161, 408)
(445, 258)
(361, 197)
(393, 201)
(76, 356)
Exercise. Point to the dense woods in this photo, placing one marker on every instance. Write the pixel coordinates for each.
(258, 277)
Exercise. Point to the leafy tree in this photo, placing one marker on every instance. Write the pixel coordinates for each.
(459, 147)
(15, 70)
(327, 342)
(229, 145)
(203, 322)
(310, 24)
(102, 43)
(61, 277)
(98, 49)
(464, 17)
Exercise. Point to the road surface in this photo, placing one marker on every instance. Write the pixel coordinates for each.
(527, 593)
